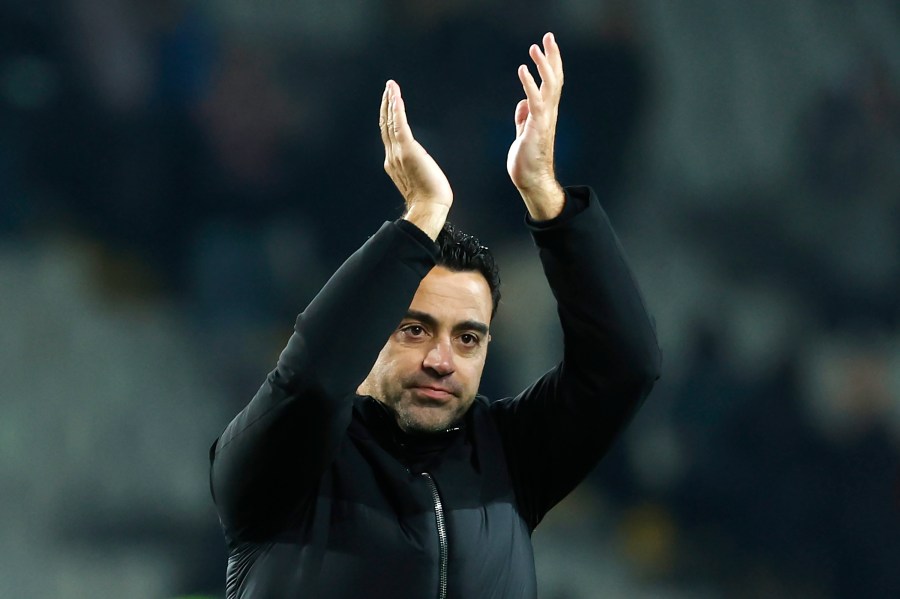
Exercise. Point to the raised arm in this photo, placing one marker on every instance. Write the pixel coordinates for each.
(271, 456)
(555, 431)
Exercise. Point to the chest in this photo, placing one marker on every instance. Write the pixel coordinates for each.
(448, 527)
(380, 527)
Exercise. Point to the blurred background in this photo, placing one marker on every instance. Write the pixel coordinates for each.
(178, 178)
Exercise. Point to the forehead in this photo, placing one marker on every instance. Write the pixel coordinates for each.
(454, 296)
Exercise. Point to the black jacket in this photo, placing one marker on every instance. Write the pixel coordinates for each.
(322, 496)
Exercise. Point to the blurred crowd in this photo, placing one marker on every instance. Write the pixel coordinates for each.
(178, 178)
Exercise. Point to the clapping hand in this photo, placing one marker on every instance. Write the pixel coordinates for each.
(530, 158)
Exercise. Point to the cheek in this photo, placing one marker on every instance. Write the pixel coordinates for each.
(473, 371)
(393, 365)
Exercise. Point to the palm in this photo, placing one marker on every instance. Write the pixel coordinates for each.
(414, 172)
(422, 178)
(530, 157)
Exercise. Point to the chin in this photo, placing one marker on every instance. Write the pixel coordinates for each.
(416, 423)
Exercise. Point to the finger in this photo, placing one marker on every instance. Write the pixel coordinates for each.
(402, 132)
(551, 51)
(521, 115)
(532, 92)
(390, 115)
(548, 77)
(390, 144)
(382, 119)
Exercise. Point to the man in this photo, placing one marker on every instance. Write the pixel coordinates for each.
(402, 483)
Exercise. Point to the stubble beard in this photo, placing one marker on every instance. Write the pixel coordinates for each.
(415, 417)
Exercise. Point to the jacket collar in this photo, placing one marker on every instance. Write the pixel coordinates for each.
(382, 425)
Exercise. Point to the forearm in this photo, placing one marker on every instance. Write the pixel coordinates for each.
(296, 418)
(610, 343)
(556, 430)
(339, 334)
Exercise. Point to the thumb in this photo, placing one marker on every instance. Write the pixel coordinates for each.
(521, 116)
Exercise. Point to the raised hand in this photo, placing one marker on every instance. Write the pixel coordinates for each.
(419, 179)
(530, 158)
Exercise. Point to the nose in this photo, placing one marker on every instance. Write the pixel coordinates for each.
(440, 358)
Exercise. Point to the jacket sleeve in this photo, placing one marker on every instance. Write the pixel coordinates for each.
(267, 462)
(556, 430)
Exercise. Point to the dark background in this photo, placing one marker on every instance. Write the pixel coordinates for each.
(178, 178)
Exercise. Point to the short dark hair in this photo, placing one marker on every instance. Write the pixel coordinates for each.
(461, 252)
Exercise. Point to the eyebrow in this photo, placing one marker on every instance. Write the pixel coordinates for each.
(432, 322)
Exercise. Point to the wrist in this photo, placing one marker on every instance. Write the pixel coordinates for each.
(430, 218)
(544, 201)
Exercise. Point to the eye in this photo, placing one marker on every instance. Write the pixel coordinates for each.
(468, 339)
(413, 330)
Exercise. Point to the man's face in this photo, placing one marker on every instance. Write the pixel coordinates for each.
(428, 372)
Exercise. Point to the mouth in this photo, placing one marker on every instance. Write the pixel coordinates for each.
(433, 392)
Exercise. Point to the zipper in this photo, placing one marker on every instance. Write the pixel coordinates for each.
(442, 536)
